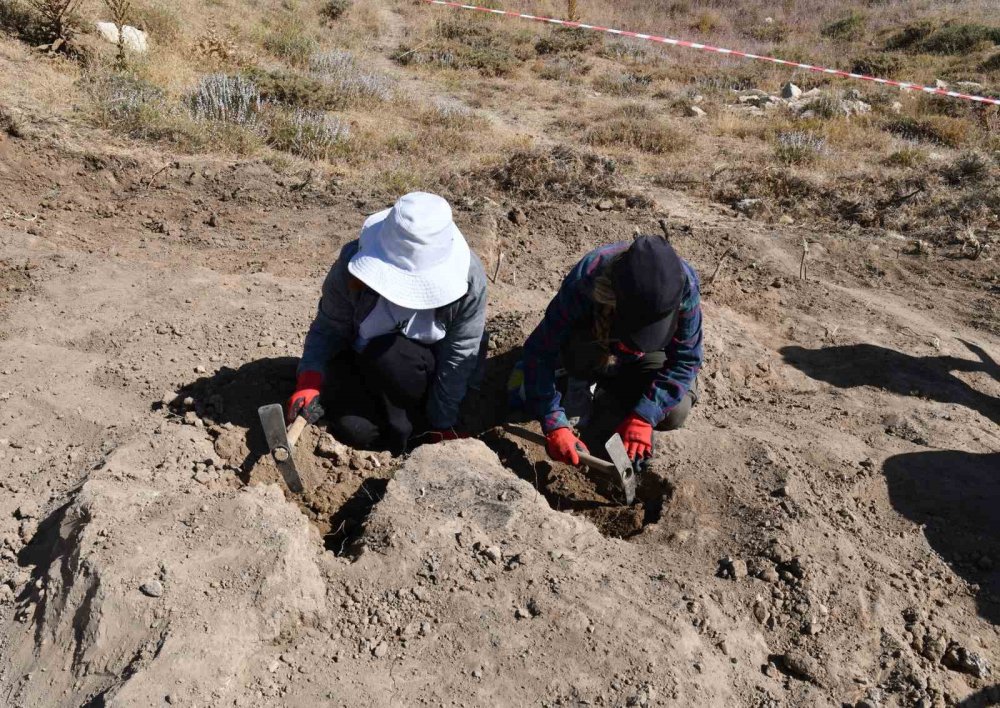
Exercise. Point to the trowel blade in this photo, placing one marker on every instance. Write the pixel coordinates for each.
(618, 455)
(272, 420)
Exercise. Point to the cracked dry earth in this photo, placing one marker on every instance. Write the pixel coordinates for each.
(824, 532)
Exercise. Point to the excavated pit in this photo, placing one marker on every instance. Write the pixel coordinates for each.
(573, 490)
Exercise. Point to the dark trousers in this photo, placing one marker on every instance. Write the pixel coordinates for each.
(618, 388)
(376, 398)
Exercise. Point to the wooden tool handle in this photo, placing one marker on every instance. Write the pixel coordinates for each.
(585, 458)
(295, 430)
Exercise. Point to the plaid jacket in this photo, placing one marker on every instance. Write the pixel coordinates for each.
(571, 305)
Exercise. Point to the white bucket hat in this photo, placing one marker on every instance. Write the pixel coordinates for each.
(413, 255)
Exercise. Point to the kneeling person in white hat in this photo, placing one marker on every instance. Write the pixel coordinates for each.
(398, 336)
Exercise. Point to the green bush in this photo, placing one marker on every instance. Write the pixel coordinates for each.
(846, 29)
(464, 45)
(960, 39)
(947, 39)
(883, 65)
(564, 40)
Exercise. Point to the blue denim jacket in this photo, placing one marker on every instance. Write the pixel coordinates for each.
(342, 310)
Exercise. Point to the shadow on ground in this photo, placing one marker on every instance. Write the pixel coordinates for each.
(234, 395)
(929, 377)
(956, 497)
(983, 699)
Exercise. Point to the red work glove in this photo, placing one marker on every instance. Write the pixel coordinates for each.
(637, 435)
(305, 400)
(563, 446)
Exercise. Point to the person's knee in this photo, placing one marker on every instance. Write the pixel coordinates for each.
(677, 417)
(355, 431)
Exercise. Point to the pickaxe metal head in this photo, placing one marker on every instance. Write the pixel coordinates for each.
(281, 442)
(626, 472)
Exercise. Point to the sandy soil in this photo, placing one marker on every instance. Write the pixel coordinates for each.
(824, 532)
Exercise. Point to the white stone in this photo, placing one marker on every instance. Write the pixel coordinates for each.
(696, 112)
(135, 40)
(790, 90)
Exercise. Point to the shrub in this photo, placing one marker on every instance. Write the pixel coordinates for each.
(825, 106)
(57, 17)
(969, 167)
(960, 39)
(646, 135)
(798, 148)
(9, 124)
(774, 32)
(160, 20)
(910, 156)
(883, 65)
(226, 99)
(910, 35)
(625, 52)
(463, 45)
(290, 42)
(562, 68)
(352, 83)
(560, 173)
(332, 10)
(846, 29)
(564, 40)
(623, 84)
(944, 130)
(308, 134)
(706, 22)
(126, 103)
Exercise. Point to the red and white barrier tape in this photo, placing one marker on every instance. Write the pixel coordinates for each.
(718, 50)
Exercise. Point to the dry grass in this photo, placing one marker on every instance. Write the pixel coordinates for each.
(321, 66)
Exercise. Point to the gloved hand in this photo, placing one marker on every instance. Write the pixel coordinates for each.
(563, 446)
(305, 400)
(637, 435)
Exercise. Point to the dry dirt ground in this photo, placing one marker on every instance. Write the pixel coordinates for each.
(825, 531)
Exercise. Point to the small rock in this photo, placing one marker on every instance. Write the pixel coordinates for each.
(151, 588)
(798, 664)
(958, 658)
(522, 613)
(213, 220)
(477, 674)
(517, 216)
(790, 91)
(381, 649)
(420, 593)
(695, 112)
(605, 205)
(168, 398)
(493, 553)
(333, 450)
(734, 568)
(938, 83)
(199, 369)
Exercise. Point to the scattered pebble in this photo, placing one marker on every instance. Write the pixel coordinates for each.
(152, 588)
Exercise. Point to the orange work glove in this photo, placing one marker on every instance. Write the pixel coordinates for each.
(563, 446)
